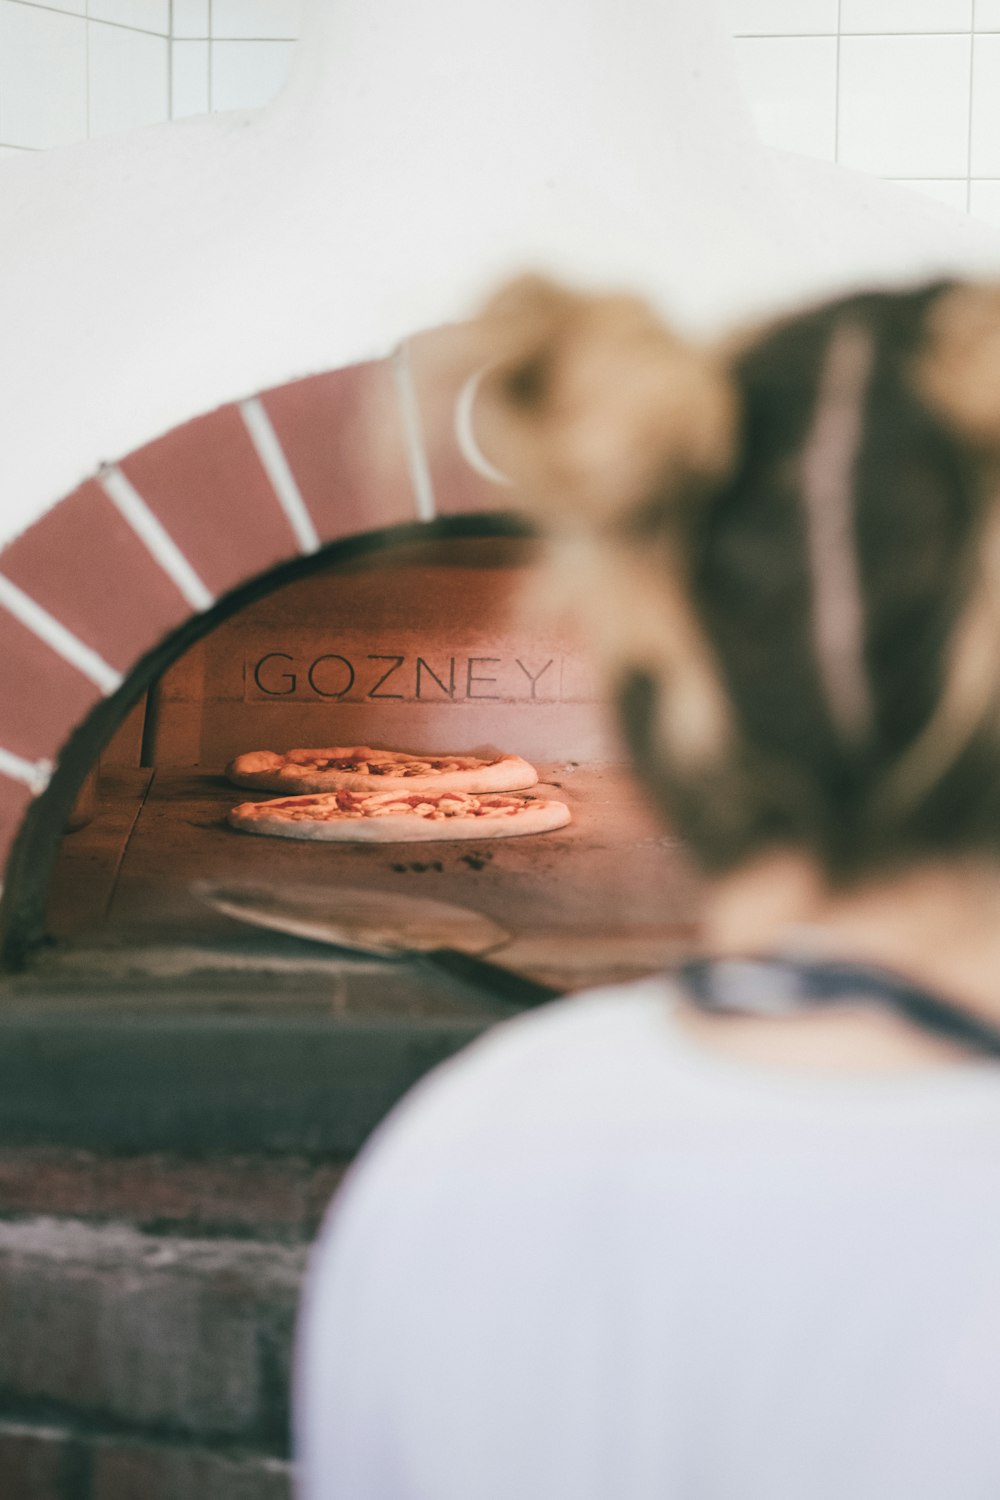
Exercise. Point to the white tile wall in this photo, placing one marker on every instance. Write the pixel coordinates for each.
(245, 73)
(916, 91)
(907, 89)
(75, 7)
(43, 76)
(904, 105)
(985, 202)
(905, 16)
(128, 76)
(782, 17)
(255, 18)
(189, 75)
(190, 18)
(988, 15)
(70, 69)
(985, 119)
(143, 15)
(793, 81)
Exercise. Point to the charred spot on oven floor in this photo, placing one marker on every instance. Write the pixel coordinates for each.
(472, 859)
(478, 860)
(596, 900)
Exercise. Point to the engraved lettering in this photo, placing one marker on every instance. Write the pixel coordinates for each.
(397, 662)
(472, 680)
(325, 692)
(308, 672)
(449, 690)
(289, 677)
(534, 680)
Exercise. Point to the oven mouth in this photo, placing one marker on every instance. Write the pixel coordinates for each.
(568, 916)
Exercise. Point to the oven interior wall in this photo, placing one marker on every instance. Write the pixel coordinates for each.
(446, 645)
(434, 646)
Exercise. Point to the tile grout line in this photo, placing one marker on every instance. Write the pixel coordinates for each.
(154, 536)
(58, 637)
(75, 15)
(274, 462)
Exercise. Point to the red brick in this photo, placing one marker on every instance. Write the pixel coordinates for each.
(441, 361)
(86, 566)
(43, 697)
(161, 1472)
(342, 435)
(207, 487)
(286, 1196)
(187, 1335)
(51, 1463)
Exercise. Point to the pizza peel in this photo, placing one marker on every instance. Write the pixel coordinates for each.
(384, 924)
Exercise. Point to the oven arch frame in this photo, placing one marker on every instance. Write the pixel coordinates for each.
(372, 454)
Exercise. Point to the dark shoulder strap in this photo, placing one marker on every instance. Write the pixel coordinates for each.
(778, 985)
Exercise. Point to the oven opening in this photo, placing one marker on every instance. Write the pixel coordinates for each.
(430, 640)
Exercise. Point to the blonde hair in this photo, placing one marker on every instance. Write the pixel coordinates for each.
(788, 552)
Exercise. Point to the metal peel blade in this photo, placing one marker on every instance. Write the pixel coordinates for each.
(384, 924)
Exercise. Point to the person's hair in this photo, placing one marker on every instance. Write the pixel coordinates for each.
(788, 549)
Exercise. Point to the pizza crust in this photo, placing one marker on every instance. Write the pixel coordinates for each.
(338, 818)
(302, 771)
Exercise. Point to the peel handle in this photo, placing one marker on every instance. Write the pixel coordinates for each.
(513, 991)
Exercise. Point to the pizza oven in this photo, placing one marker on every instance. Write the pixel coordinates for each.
(342, 568)
(334, 557)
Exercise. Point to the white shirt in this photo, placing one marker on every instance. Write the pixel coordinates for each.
(587, 1260)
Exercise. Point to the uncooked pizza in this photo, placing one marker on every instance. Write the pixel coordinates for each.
(359, 768)
(400, 817)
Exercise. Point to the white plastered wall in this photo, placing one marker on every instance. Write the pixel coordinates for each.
(73, 70)
(417, 153)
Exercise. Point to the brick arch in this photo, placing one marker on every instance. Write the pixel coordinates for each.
(162, 534)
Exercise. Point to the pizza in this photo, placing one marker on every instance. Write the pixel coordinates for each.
(359, 768)
(399, 817)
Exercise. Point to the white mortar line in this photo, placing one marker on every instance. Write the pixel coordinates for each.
(413, 435)
(160, 545)
(35, 774)
(55, 635)
(272, 456)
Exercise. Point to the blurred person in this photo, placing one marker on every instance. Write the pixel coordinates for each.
(731, 1233)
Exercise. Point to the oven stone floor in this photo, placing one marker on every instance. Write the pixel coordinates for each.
(609, 897)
